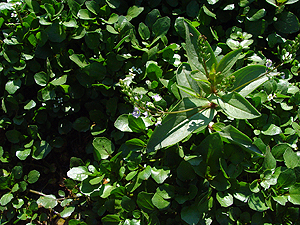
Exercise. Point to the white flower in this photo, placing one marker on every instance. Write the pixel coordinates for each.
(271, 96)
(158, 123)
(156, 98)
(268, 63)
(136, 112)
(145, 114)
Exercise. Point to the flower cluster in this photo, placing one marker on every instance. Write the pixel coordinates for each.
(143, 106)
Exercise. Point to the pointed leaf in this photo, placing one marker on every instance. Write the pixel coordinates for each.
(237, 137)
(237, 106)
(191, 38)
(228, 61)
(183, 77)
(247, 79)
(188, 91)
(176, 127)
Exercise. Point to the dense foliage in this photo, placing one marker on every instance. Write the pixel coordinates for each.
(149, 112)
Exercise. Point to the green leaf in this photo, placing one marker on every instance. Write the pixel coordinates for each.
(237, 137)
(31, 104)
(287, 23)
(286, 179)
(225, 199)
(6, 198)
(128, 204)
(79, 173)
(291, 158)
(196, 63)
(176, 127)
(47, 201)
(95, 70)
(111, 220)
(248, 78)
(160, 28)
(279, 149)
(187, 90)
(136, 124)
(227, 62)
(67, 212)
(237, 106)
(257, 202)
(79, 59)
(183, 77)
(185, 171)
(103, 148)
(269, 160)
(84, 14)
(271, 130)
(41, 78)
(23, 154)
(190, 214)
(56, 32)
(159, 202)
(33, 176)
(122, 123)
(59, 81)
(160, 175)
(13, 85)
(144, 201)
(41, 149)
(82, 124)
(144, 31)
(220, 183)
(13, 136)
(255, 15)
(294, 194)
(113, 3)
(133, 12)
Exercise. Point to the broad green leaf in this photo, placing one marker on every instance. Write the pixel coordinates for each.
(225, 199)
(60, 80)
(287, 23)
(13, 85)
(144, 31)
(23, 153)
(41, 78)
(188, 91)
(6, 198)
(160, 175)
(220, 183)
(237, 137)
(110, 219)
(136, 124)
(190, 214)
(279, 150)
(13, 136)
(269, 160)
(67, 212)
(294, 194)
(177, 126)
(248, 78)
(160, 28)
(47, 201)
(103, 148)
(291, 158)
(41, 149)
(144, 201)
(271, 130)
(79, 173)
(31, 104)
(159, 202)
(128, 204)
(256, 202)
(79, 59)
(33, 176)
(166, 191)
(183, 77)
(134, 11)
(192, 9)
(227, 62)
(196, 63)
(255, 15)
(56, 32)
(122, 123)
(282, 199)
(82, 124)
(237, 106)
(287, 178)
(84, 14)
(185, 171)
